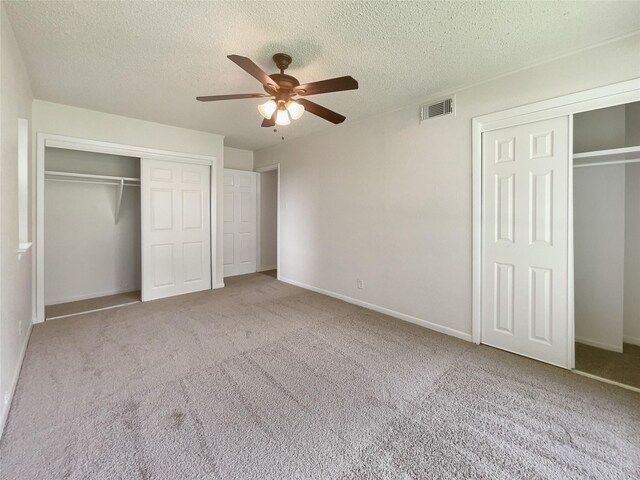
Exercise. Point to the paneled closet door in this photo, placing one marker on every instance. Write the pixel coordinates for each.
(176, 228)
(525, 240)
(239, 222)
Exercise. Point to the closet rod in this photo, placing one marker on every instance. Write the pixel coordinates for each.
(603, 164)
(608, 152)
(71, 180)
(89, 175)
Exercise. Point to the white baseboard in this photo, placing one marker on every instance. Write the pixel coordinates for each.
(266, 269)
(386, 311)
(631, 340)
(218, 285)
(87, 296)
(604, 346)
(16, 374)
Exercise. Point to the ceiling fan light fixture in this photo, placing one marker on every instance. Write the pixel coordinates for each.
(281, 108)
(282, 117)
(267, 109)
(295, 109)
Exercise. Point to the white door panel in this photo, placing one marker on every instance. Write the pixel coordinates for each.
(239, 222)
(525, 240)
(176, 228)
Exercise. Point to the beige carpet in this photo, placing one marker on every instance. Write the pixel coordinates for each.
(265, 380)
(620, 367)
(90, 304)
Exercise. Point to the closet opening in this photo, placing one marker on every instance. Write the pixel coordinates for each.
(606, 213)
(92, 231)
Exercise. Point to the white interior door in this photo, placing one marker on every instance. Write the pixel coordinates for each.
(525, 240)
(176, 228)
(239, 222)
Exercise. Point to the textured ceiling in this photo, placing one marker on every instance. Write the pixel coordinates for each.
(149, 60)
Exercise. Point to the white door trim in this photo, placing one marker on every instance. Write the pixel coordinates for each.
(44, 140)
(268, 168)
(601, 97)
(98, 146)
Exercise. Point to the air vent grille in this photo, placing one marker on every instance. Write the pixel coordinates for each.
(443, 107)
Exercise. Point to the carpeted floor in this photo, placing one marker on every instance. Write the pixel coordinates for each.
(265, 380)
(620, 367)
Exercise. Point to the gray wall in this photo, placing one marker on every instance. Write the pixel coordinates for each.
(238, 159)
(599, 129)
(16, 306)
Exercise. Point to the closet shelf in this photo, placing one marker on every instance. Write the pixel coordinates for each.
(607, 157)
(90, 178)
(121, 182)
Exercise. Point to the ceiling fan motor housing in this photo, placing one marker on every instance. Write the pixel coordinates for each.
(282, 61)
(286, 83)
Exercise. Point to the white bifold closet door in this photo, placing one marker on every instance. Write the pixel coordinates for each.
(239, 222)
(525, 240)
(176, 228)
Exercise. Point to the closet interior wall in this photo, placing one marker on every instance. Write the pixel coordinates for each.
(92, 235)
(607, 231)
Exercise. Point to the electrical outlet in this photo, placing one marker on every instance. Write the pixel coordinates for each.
(360, 283)
(6, 398)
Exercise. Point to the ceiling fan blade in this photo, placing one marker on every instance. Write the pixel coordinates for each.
(269, 122)
(325, 86)
(254, 70)
(321, 111)
(214, 98)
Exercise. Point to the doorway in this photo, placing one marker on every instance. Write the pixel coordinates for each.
(268, 251)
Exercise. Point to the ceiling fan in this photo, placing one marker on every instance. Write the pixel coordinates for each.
(285, 91)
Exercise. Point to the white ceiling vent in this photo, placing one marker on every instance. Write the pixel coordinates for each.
(438, 109)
